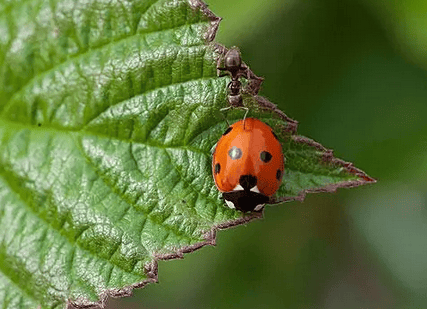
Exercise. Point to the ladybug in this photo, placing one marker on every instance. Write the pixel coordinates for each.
(248, 164)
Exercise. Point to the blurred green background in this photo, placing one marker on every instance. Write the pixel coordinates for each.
(353, 73)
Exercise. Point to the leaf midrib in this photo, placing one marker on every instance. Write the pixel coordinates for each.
(6, 123)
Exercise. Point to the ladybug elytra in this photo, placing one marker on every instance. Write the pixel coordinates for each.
(248, 164)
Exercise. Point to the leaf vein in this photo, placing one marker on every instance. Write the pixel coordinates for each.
(189, 184)
(119, 194)
(47, 224)
(73, 58)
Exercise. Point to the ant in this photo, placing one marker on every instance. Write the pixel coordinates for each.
(235, 68)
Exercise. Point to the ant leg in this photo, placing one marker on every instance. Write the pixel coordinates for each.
(229, 84)
(224, 110)
(222, 72)
(244, 70)
(239, 107)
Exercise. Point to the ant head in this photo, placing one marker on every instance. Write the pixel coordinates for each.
(233, 60)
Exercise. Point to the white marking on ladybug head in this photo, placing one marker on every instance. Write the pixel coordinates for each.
(230, 204)
(238, 188)
(259, 207)
(255, 189)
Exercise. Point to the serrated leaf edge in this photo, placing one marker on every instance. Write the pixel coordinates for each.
(151, 269)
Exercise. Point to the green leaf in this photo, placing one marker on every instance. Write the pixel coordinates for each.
(109, 111)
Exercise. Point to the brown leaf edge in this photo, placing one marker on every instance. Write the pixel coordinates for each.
(151, 269)
(253, 87)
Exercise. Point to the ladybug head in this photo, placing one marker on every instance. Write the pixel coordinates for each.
(245, 200)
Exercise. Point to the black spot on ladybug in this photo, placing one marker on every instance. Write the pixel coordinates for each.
(217, 168)
(278, 174)
(227, 131)
(275, 136)
(235, 153)
(265, 156)
(248, 181)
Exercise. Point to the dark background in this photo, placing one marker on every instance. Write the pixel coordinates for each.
(353, 74)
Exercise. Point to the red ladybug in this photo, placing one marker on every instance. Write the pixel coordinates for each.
(248, 164)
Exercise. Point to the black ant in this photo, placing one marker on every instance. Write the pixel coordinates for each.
(234, 67)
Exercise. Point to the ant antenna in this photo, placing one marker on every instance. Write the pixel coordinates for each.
(239, 107)
(244, 117)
